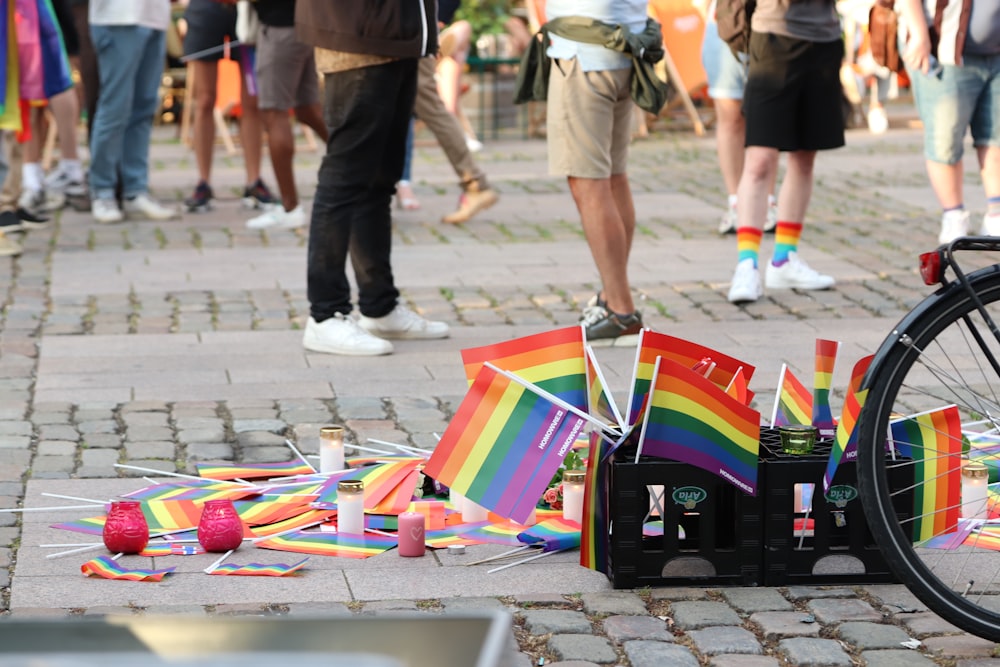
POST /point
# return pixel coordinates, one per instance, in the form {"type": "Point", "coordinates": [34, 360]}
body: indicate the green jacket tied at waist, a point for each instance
{"type": "Point", "coordinates": [645, 48]}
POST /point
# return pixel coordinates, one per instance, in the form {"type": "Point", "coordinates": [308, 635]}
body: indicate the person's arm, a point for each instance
{"type": "Point", "coordinates": [917, 46]}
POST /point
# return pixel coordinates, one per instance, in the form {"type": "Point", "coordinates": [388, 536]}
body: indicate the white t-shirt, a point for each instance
{"type": "Point", "coordinates": [153, 14]}
{"type": "Point", "coordinates": [630, 13]}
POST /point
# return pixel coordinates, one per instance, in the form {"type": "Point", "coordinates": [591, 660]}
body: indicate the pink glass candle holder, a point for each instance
{"type": "Point", "coordinates": [220, 527]}
{"type": "Point", "coordinates": [125, 528]}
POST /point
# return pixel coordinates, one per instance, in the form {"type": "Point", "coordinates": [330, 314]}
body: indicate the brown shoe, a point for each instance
{"type": "Point", "coordinates": [472, 201]}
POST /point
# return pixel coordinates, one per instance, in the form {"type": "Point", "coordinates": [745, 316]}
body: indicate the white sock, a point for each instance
{"type": "Point", "coordinates": [772, 200]}
{"type": "Point", "coordinates": [732, 201]}
{"type": "Point", "coordinates": [73, 169]}
{"type": "Point", "coordinates": [32, 176]}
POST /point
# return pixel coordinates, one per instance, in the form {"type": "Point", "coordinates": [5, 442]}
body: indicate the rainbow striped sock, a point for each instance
{"type": "Point", "coordinates": [786, 240]}
{"type": "Point", "coordinates": [748, 243]}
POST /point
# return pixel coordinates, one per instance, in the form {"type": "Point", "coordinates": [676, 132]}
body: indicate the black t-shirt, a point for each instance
{"type": "Point", "coordinates": [447, 9]}
{"type": "Point", "coordinates": [279, 13]}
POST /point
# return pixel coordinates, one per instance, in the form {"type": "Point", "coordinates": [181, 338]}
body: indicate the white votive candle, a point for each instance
{"type": "Point", "coordinates": [331, 448]}
{"type": "Point", "coordinates": [351, 507]}
{"type": "Point", "coordinates": [573, 482]}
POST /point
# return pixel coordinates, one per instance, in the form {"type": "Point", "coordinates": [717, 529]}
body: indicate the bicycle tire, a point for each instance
{"type": "Point", "coordinates": [922, 366]}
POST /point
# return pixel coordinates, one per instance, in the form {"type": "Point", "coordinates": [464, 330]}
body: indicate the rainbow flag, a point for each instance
{"type": "Point", "coordinates": [986, 538]}
{"type": "Point", "coordinates": [933, 440]}
{"type": "Point", "coordinates": [308, 518]}
{"type": "Point", "coordinates": [258, 570]}
{"type": "Point", "coordinates": [594, 537]}
{"type": "Point", "coordinates": [380, 480]}
{"type": "Point", "coordinates": [200, 490]}
{"type": "Point", "coordinates": [553, 361]}
{"type": "Point", "coordinates": [330, 544]}
{"type": "Point", "coordinates": [739, 388]}
{"type": "Point", "coordinates": [503, 445]}
{"type": "Point", "coordinates": [691, 420]}
{"type": "Point", "coordinates": [253, 470]}
{"type": "Point", "coordinates": [845, 443]}
{"type": "Point", "coordinates": [171, 515]}
{"type": "Point", "coordinates": [90, 526]}
{"type": "Point", "coordinates": [459, 534]}
{"type": "Point", "coordinates": [793, 404]}
{"type": "Point", "coordinates": [600, 403]}
{"type": "Point", "coordinates": [552, 534]}
{"type": "Point", "coordinates": [826, 358]}
{"type": "Point", "coordinates": [652, 345]}
{"type": "Point", "coordinates": [498, 533]}
{"type": "Point", "coordinates": [171, 549]}
{"type": "Point", "coordinates": [108, 568]}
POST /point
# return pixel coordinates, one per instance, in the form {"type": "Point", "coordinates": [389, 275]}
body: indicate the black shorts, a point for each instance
{"type": "Point", "coordinates": [64, 15]}
{"type": "Point", "coordinates": [792, 100]}
{"type": "Point", "coordinates": [209, 23]}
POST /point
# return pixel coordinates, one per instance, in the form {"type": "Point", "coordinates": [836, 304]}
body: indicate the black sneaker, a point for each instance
{"type": "Point", "coordinates": [31, 220]}
{"type": "Point", "coordinates": [257, 196]}
{"type": "Point", "coordinates": [9, 222]}
{"type": "Point", "coordinates": [201, 199]}
{"type": "Point", "coordinates": [605, 328]}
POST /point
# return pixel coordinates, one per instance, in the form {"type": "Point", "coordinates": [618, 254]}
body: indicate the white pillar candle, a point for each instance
{"type": "Point", "coordinates": [975, 477]}
{"type": "Point", "coordinates": [473, 512]}
{"type": "Point", "coordinates": [573, 483]}
{"type": "Point", "coordinates": [331, 449]}
{"type": "Point", "coordinates": [351, 507]}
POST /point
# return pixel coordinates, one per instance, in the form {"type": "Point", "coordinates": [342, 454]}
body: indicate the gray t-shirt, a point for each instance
{"type": "Point", "coordinates": [812, 20]}
{"type": "Point", "coordinates": [983, 38]}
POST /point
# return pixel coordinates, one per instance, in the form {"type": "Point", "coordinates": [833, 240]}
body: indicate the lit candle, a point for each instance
{"type": "Point", "coordinates": [975, 477]}
{"type": "Point", "coordinates": [351, 507]}
{"type": "Point", "coordinates": [331, 448]}
{"type": "Point", "coordinates": [411, 534]}
{"type": "Point", "coordinates": [572, 482]}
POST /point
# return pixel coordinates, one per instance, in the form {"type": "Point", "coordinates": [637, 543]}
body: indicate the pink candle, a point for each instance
{"type": "Point", "coordinates": [411, 534]}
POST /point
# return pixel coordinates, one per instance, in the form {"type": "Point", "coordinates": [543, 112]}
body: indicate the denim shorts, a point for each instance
{"type": "Point", "coordinates": [964, 97]}
{"type": "Point", "coordinates": [727, 76]}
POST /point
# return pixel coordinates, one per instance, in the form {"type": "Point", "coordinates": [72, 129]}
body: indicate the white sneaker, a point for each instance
{"type": "Point", "coordinates": [728, 223]}
{"type": "Point", "coordinates": [795, 274]}
{"type": "Point", "coordinates": [991, 225]}
{"type": "Point", "coordinates": [106, 211]}
{"type": "Point", "coordinates": [144, 207]}
{"type": "Point", "coordinates": [954, 224]}
{"type": "Point", "coordinates": [41, 201]}
{"type": "Point", "coordinates": [60, 180]}
{"type": "Point", "coordinates": [341, 334]}
{"type": "Point", "coordinates": [403, 323]}
{"type": "Point", "coordinates": [746, 283]}
{"type": "Point", "coordinates": [279, 218]}
{"type": "Point", "coordinates": [878, 122]}
{"type": "Point", "coordinates": [473, 144]}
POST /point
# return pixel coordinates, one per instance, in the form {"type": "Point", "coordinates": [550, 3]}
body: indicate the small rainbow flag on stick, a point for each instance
{"type": "Point", "coordinates": [933, 440]}
{"type": "Point", "coordinates": [594, 537]}
{"type": "Point", "coordinates": [691, 420]}
{"type": "Point", "coordinates": [793, 404]}
{"type": "Point", "coordinates": [845, 443]}
{"type": "Point", "coordinates": [258, 570]}
{"type": "Point", "coordinates": [826, 358]}
{"type": "Point", "coordinates": [553, 534]}
{"type": "Point", "coordinates": [107, 567]}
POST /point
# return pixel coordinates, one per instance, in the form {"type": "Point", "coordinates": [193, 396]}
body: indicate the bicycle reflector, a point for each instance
{"type": "Point", "coordinates": [930, 267]}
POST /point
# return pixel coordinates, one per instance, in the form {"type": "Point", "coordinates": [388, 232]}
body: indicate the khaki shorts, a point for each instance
{"type": "Point", "coordinates": [286, 70]}
{"type": "Point", "coordinates": [589, 121]}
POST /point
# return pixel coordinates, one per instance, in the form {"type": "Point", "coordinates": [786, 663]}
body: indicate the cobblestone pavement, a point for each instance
{"type": "Point", "coordinates": [159, 345]}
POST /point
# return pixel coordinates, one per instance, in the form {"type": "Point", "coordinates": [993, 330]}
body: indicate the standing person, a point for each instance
{"type": "Point", "coordinates": [589, 127]}
{"type": "Point", "coordinates": [129, 37]}
{"type": "Point", "coordinates": [286, 81]}
{"type": "Point", "coordinates": [952, 53]}
{"type": "Point", "coordinates": [368, 52]}
{"type": "Point", "coordinates": [792, 105]}
{"type": "Point", "coordinates": [209, 24]}
{"type": "Point", "coordinates": [727, 77]}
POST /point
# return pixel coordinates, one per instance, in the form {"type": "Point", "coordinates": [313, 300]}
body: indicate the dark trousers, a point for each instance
{"type": "Point", "coordinates": [368, 112]}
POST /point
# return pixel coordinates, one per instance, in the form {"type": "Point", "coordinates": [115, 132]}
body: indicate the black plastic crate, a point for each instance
{"type": "Point", "coordinates": [722, 533]}
{"type": "Point", "coordinates": [831, 543]}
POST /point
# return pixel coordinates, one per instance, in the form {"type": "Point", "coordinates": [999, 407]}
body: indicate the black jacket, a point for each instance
{"type": "Point", "coordinates": [394, 28]}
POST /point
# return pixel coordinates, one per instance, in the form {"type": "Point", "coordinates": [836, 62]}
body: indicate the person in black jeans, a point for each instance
{"type": "Point", "coordinates": [368, 52]}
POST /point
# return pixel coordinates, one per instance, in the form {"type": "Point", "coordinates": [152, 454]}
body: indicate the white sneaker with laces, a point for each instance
{"type": "Point", "coordinates": [954, 223]}
{"type": "Point", "coordinates": [61, 180]}
{"type": "Point", "coordinates": [991, 224]}
{"type": "Point", "coordinates": [746, 283]}
{"type": "Point", "coordinates": [728, 223]}
{"type": "Point", "coordinates": [106, 211]}
{"type": "Point", "coordinates": [878, 121]}
{"type": "Point", "coordinates": [795, 274]}
{"type": "Point", "coordinates": [278, 218]}
{"type": "Point", "coordinates": [403, 323]}
{"type": "Point", "coordinates": [145, 207]}
{"type": "Point", "coordinates": [341, 334]}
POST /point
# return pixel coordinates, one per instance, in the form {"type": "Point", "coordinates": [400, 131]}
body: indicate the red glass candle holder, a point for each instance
{"type": "Point", "coordinates": [220, 527]}
{"type": "Point", "coordinates": [125, 528]}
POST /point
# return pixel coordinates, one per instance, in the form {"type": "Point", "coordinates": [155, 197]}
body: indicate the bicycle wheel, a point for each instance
{"type": "Point", "coordinates": [933, 400]}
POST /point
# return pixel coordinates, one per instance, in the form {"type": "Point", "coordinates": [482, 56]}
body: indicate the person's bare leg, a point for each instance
{"type": "Point", "coordinates": [759, 167]}
{"type": "Point", "coordinates": [989, 169]}
{"type": "Point", "coordinates": [66, 109]}
{"type": "Point", "coordinates": [251, 133]}
{"type": "Point", "coordinates": [796, 189]}
{"type": "Point", "coordinates": [206, 76]}
{"type": "Point", "coordinates": [607, 235]}
{"type": "Point", "coordinates": [730, 133]}
{"type": "Point", "coordinates": [281, 145]}
{"type": "Point", "coordinates": [311, 115]}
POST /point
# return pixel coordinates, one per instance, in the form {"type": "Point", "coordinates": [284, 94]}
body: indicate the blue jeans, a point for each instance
{"type": "Point", "coordinates": [727, 76]}
{"type": "Point", "coordinates": [964, 97]}
{"type": "Point", "coordinates": [130, 60]}
{"type": "Point", "coordinates": [368, 111]}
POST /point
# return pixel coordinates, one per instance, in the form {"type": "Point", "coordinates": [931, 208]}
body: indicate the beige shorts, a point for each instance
{"type": "Point", "coordinates": [588, 120]}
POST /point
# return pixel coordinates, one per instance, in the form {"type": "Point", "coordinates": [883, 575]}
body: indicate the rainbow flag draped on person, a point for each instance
{"type": "Point", "coordinates": [845, 442]}
{"type": "Point", "coordinates": [933, 440]}
{"type": "Point", "coordinates": [692, 420]}
{"type": "Point", "coordinates": [793, 404]}
{"type": "Point", "coordinates": [826, 359]}
{"type": "Point", "coordinates": [505, 442]}
{"type": "Point", "coordinates": [719, 368]}
{"type": "Point", "coordinates": [553, 361]}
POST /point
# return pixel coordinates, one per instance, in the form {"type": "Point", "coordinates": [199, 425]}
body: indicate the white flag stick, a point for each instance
{"type": "Point", "coordinates": [86, 500]}
{"type": "Point", "coordinates": [525, 560]}
{"type": "Point", "coordinates": [292, 447]}
{"type": "Point", "coordinates": [506, 554]}
{"type": "Point", "coordinates": [398, 446]}
{"type": "Point", "coordinates": [777, 396]}
{"type": "Point", "coordinates": [70, 544]}
{"type": "Point", "coordinates": [233, 43]}
{"type": "Point", "coordinates": [76, 551]}
{"type": "Point", "coordinates": [211, 568]}
{"type": "Point", "coordinates": [49, 509]}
